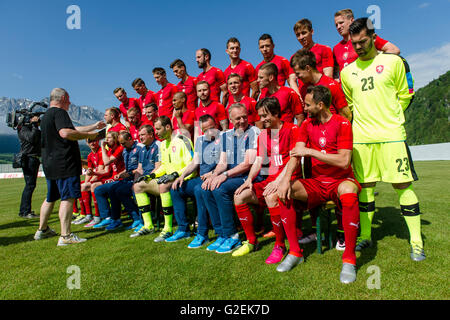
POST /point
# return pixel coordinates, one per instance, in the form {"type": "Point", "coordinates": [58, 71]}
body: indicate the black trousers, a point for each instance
{"type": "Point", "coordinates": [30, 171]}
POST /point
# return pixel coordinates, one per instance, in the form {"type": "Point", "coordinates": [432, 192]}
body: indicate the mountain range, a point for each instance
{"type": "Point", "coordinates": [80, 115]}
{"type": "Point", "coordinates": [9, 143]}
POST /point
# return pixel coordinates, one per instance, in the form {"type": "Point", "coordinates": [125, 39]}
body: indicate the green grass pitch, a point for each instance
{"type": "Point", "coordinates": [114, 266]}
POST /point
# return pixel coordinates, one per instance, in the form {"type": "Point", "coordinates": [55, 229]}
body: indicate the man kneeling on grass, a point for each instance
{"type": "Point", "coordinates": [331, 141]}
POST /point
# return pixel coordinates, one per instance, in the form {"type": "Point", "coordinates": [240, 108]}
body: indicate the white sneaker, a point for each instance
{"type": "Point", "coordinates": [340, 245]}
{"type": "Point", "coordinates": [42, 234]}
{"type": "Point", "coordinates": [308, 239]}
{"type": "Point", "coordinates": [348, 273]}
{"type": "Point", "coordinates": [72, 239]}
{"type": "Point", "coordinates": [85, 219]}
{"type": "Point", "coordinates": [77, 219]}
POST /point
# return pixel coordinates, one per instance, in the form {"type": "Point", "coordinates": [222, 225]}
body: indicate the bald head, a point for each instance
{"type": "Point", "coordinates": [180, 95]}
{"type": "Point", "coordinates": [179, 100]}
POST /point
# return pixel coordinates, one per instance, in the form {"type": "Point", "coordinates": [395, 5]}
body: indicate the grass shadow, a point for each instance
{"type": "Point", "coordinates": [6, 241]}
{"type": "Point", "coordinates": [23, 223]}
{"type": "Point", "coordinates": [388, 221]}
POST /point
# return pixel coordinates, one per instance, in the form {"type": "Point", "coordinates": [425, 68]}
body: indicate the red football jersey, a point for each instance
{"type": "Point", "coordinates": [95, 159]}
{"type": "Point", "coordinates": [187, 118]}
{"type": "Point", "coordinates": [119, 164]}
{"type": "Point", "coordinates": [324, 56]}
{"type": "Point", "coordinates": [134, 131]}
{"type": "Point", "coordinates": [338, 100]}
{"type": "Point", "coordinates": [250, 104]}
{"type": "Point", "coordinates": [246, 71]}
{"type": "Point", "coordinates": [215, 78]}
{"type": "Point", "coordinates": [164, 99]}
{"type": "Point", "coordinates": [149, 97]}
{"type": "Point", "coordinates": [147, 121]}
{"type": "Point", "coordinates": [328, 138]}
{"type": "Point", "coordinates": [144, 100]}
{"type": "Point", "coordinates": [132, 102]}
{"type": "Point", "coordinates": [345, 54]}
{"type": "Point", "coordinates": [215, 109]}
{"type": "Point", "coordinates": [284, 68]}
{"type": "Point", "coordinates": [118, 127]}
{"type": "Point", "coordinates": [274, 147]}
{"type": "Point", "coordinates": [188, 87]}
{"type": "Point", "coordinates": [290, 103]}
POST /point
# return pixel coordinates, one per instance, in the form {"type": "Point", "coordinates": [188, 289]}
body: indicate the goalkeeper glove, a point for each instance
{"type": "Point", "coordinates": [146, 178]}
{"type": "Point", "coordinates": [168, 178]}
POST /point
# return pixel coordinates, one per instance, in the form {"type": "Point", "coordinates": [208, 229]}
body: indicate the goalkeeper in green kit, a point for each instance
{"type": "Point", "coordinates": [379, 88]}
{"type": "Point", "coordinates": [176, 153]}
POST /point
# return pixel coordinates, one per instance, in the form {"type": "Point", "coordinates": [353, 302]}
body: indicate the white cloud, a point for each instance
{"type": "Point", "coordinates": [429, 65]}
{"type": "Point", "coordinates": [424, 5]}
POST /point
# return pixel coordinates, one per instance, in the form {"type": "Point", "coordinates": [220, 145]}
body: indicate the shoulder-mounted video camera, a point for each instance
{"type": "Point", "coordinates": [23, 117]}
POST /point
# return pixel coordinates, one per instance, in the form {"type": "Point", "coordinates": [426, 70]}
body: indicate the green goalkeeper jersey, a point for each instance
{"type": "Point", "coordinates": [175, 156]}
{"type": "Point", "coordinates": [378, 91]}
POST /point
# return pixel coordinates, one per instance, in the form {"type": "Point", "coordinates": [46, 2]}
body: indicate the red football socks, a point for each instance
{"type": "Point", "coordinates": [277, 224]}
{"type": "Point", "coordinates": [289, 217]}
{"type": "Point", "coordinates": [86, 201]}
{"type": "Point", "coordinates": [97, 212]}
{"type": "Point", "coordinates": [350, 221]}
{"type": "Point", "coordinates": [75, 207]}
{"type": "Point", "coordinates": [246, 218]}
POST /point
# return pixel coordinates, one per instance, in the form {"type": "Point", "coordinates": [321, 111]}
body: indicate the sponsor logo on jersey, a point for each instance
{"type": "Point", "coordinates": [322, 142]}
{"type": "Point", "coordinates": [380, 68]}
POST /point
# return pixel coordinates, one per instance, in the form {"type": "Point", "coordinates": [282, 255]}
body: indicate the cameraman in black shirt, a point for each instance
{"type": "Point", "coordinates": [61, 162]}
{"type": "Point", "coordinates": [30, 147]}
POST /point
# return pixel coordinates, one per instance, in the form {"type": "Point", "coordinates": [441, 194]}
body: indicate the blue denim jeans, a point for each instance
{"type": "Point", "coordinates": [118, 192]}
{"type": "Point", "coordinates": [102, 195]}
{"type": "Point", "coordinates": [190, 188]}
{"type": "Point", "coordinates": [122, 192]}
{"type": "Point", "coordinates": [220, 204]}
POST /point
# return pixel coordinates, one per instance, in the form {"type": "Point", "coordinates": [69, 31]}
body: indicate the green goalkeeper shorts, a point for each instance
{"type": "Point", "coordinates": [388, 162]}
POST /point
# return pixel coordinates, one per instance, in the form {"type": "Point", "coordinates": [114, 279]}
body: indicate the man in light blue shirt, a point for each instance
{"type": "Point", "coordinates": [238, 152]}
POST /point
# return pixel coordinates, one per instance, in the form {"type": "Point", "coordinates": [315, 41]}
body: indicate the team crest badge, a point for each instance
{"type": "Point", "coordinates": [322, 142]}
{"type": "Point", "coordinates": [174, 149]}
{"type": "Point", "coordinates": [380, 68]}
{"type": "Point", "coordinates": [345, 56]}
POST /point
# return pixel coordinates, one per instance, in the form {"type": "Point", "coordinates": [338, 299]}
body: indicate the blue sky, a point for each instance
{"type": "Point", "coordinates": [121, 40]}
